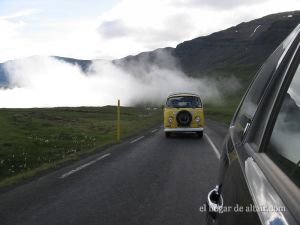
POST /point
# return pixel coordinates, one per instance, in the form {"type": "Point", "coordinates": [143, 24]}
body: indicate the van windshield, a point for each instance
{"type": "Point", "coordinates": [184, 102]}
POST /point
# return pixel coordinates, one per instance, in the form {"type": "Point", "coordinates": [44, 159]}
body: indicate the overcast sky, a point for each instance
{"type": "Point", "coordinates": [109, 29]}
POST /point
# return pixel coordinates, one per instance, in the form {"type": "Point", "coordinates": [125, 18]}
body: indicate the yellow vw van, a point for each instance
{"type": "Point", "coordinates": [183, 112]}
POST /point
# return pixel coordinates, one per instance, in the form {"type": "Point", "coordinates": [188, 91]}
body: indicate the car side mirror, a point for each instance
{"type": "Point", "coordinates": [214, 204]}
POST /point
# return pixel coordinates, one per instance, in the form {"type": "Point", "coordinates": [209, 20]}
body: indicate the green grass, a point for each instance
{"type": "Point", "coordinates": [33, 140]}
{"type": "Point", "coordinates": [224, 111]}
{"type": "Point", "coordinates": [243, 73]}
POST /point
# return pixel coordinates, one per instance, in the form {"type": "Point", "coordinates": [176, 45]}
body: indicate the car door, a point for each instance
{"type": "Point", "coordinates": [243, 183]}
{"type": "Point", "coordinates": [273, 170]}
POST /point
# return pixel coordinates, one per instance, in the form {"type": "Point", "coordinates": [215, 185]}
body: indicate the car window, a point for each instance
{"type": "Point", "coordinates": [284, 145]}
{"type": "Point", "coordinates": [259, 85]}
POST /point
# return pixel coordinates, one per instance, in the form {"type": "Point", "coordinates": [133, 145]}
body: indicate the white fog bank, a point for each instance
{"type": "Point", "coordinates": [49, 82]}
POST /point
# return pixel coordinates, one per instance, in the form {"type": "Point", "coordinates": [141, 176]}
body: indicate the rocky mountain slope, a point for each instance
{"type": "Point", "coordinates": [245, 44]}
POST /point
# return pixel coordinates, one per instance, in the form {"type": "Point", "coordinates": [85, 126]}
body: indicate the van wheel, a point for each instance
{"type": "Point", "coordinates": [167, 134]}
{"type": "Point", "coordinates": [200, 134]}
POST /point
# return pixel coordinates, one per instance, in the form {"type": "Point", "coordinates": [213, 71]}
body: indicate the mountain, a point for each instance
{"type": "Point", "coordinates": [247, 44]}
{"type": "Point", "coordinates": [83, 64]}
{"type": "Point", "coordinates": [239, 50]}
{"type": "Point", "coordinates": [3, 79]}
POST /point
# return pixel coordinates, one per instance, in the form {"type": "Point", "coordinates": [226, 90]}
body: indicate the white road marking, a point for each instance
{"type": "Point", "coordinates": [83, 166]}
{"type": "Point", "coordinates": [213, 146]}
{"type": "Point", "coordinates": [135, 140]}
{"type": "Point", "coordinates": [153, 131]}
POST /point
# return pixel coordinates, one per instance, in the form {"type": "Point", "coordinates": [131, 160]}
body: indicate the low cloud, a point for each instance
{"type": "Point", "coordinates": [113, 29]}
{"type": "Point", "coordinates": [48, 82]}
{"type": "Point", "coordinates": [118, 29]}
{"type": "Point", "coordinates": [216, 4]}
{"type": "Point", "coordinates": [25, 12]}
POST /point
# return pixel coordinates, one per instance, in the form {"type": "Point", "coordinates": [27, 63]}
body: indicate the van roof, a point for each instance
{"type": "Point", "coordinates": [185, 93]}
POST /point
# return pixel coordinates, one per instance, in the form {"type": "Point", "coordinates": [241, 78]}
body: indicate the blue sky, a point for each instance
{"type": "Point", "coordinates": [90, 29]}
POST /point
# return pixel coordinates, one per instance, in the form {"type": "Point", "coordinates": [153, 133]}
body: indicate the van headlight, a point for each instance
{"type": "Point", "coordinates": [170, 119]}
{"type": "Point", "coordinates": [197, 119]}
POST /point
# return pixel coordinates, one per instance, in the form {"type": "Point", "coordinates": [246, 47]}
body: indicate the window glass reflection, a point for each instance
{"type": "Point", "coordinates": [284, 146]}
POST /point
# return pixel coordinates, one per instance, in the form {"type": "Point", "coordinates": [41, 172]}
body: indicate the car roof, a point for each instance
{"type": "Point", "coordinates": [186, 93]}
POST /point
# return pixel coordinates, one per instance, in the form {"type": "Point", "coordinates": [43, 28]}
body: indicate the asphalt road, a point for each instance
{"type": "Point", "coordinates": [148, 180]}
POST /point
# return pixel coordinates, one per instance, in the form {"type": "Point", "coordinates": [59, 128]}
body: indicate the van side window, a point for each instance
{"type": "Point", "coordinates": [284, 145]}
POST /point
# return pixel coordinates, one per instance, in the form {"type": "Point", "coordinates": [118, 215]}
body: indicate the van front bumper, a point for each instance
{"type": "Point", "coordinates": [184, 129]}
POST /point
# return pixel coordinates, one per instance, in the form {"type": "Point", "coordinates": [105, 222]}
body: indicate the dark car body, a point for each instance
{"type": "Point", "coordinates": [259, 176]}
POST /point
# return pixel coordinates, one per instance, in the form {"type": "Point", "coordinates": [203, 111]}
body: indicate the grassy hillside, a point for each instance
{"type": "Point", "coordinates": [223, 111]}
{"type": "Point", "coordinates": [32, 140]}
